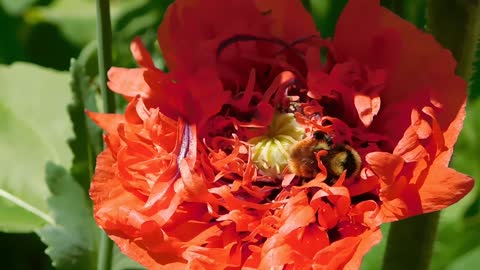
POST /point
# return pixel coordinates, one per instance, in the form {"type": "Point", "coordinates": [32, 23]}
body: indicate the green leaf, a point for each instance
{"type": "Point", "coordinates": [71, 240]}
{"type": "Point", "coordinates": [33, 129]}
{"type": "Point", "coordinates": [410, 10]}
{"type": "Point", "coordinates": [469, 260]}
{"type": "Point", "coordinates": [16, 7]}
{"type": "Point", "coordinates": [87, 141]}
{"type": "Point", "coordinates": [76, 18]}
{"type": "Point", "coordinates": [455, 239]}
{"type": "Point", "coordinates": [12, 48]}
{"type": "Point", "coordinates": [325, 14]}
{"type": "Point", "coordinates": [474, 87]}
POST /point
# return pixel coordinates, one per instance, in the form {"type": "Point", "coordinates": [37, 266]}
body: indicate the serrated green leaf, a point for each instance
{"type": "Point", "coordinates": [33, 129]}
{"type": "Point", "coordinates": [71, 240]}
{"type": "Point", "coordinates": [87, 141]}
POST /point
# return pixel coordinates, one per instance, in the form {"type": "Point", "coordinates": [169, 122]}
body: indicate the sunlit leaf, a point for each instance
{"type": "Point", "coordinates": [467, 261]}
{"type": "Point", "coordinates": [71, 240]}
{"type": "Point", "coordinates": [34, 128]}
{"type": "Point", "coordinates": [454, 240]}
{"type": "Point", "coordinates": [77, 18]}
{"type": "Point", "coordinates": [16, 7]}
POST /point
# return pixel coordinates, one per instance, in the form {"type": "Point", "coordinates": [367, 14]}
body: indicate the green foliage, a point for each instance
{"type": "Point", "coordinates": [325, 14]}
{"type": "Point", "coordinates": [76, 18]}
{"type": "Point", "coordinates": [71, 239]}
{"type": "Point", "coordinates": [16, 7]}
{"type": "Point", "coordinates": [475, 80]}
{"type": "Point", "coordinates": [411, 10]}
{"type": "Point", "coordinates": [87, 142]}
{"type": "Point", "coordinates": [10, 45]}
{"type": "Point", "coordinates": [14, 254]}
{"type": "Point", "coordinates": [467, 261]}
{"type": "Point", "coordinates": [466, 160]}
{"type": "Point", "coordinates": [33, 127]}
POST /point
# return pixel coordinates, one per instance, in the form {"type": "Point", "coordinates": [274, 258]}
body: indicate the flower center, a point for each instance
{"type": "Point", "coordinates": [271, 152]}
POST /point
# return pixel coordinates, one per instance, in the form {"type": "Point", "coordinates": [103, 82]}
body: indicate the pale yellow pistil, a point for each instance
{"type": "Point", "coordinates": [271, 151]}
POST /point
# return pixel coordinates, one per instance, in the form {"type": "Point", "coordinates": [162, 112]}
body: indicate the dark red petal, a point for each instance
{"type": "Point", "coordinates": [290, 20]}
{"type": "Point", "coordinates": [191, 31]}
{"type": "Point", "coordinates": [420, 72]}
{"type": "Point", "coordinates": [192, 97]}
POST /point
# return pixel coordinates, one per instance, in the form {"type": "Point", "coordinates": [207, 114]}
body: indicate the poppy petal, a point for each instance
{"type": "Point", "coordinates": [384, 40]}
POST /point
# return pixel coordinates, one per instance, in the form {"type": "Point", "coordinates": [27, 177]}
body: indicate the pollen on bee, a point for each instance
{"type": "Point", "coordinates": [339, 158]}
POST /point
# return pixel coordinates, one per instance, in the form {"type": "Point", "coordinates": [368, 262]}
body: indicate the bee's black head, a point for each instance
{"type": "Point", "coordinates": [322, 136]}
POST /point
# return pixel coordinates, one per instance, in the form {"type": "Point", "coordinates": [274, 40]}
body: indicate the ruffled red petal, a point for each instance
{"type": "Point", "coordinates": [415, 188]}
{"type": "Point", "coordinates": [186, 96]}
{"type": "Point", "coordinates": [420, 72]}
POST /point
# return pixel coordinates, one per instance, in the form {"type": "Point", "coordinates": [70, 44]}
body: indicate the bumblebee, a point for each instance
{"type": "Point", "coordinates": [339, 157]}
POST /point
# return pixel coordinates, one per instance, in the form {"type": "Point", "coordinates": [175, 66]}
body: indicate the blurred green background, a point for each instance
{"type": "Point", "coordinates": [49, 33]}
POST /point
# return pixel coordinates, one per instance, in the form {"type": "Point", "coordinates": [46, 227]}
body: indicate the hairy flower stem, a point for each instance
{"type": "Point", "coordinates": [104, 39]}
{"type": "Point", "coordinates": [455, 24]}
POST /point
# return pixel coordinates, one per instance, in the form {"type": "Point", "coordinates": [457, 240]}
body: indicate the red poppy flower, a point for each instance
{"type": "Point", "coordinates": [256, 151]}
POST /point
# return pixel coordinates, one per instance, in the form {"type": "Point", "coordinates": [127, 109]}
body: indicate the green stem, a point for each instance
{"type": "Point", "coordinates": [410, 243]}
{"type": "Point", "coordinates": [106, 252]}
{"type": "Point", "coordinates": [308, 5]}
{"type": "Point", "coordinates": [104, 39]}
{"type": "Point", "coordinates": [455, 24]}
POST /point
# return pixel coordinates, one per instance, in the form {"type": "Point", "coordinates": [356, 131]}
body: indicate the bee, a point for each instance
{"type": "Point", "coordinates": [339, 157]}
